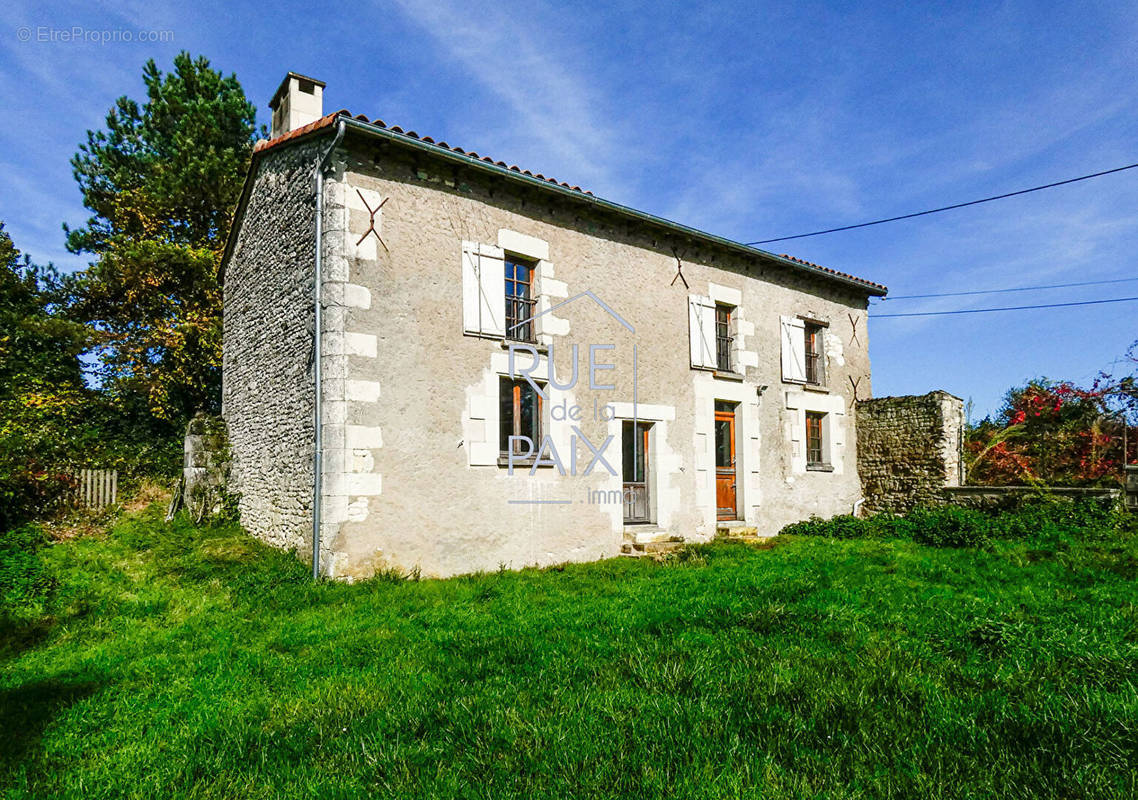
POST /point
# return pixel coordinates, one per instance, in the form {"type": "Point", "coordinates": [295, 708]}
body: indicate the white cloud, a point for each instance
{"type": "Point", "coordinates": [515, 58]}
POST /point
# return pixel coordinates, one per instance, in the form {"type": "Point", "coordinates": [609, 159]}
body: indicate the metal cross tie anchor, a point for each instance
{"type": "Point", "coordinates": [853, 325]}
{"type": "Point", "coordinates": [679, 270]}
{"type": "Point", "coordinates": [371, 222]}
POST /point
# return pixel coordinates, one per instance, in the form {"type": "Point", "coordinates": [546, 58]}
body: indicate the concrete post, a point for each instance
{"type": "Point", "coordinates": [1131, 471]}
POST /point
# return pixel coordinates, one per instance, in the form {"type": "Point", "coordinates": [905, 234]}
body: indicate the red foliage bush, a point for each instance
{"type": "Point", "coordinates": [1054, 432]}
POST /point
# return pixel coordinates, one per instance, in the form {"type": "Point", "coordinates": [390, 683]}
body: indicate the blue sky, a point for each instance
{"type": "Point", "coordinates": [749, 120]}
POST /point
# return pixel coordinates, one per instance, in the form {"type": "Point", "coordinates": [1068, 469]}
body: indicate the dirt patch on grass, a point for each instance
{"type": "Point", "coordinates": [76, 524]}
{"type": "Point", "coordinates": [148, 492]}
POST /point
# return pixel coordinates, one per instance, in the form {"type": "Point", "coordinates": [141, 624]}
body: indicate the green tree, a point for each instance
{"type": "Point", "coordinates": [43, 397]}
{"type": "Point", "coordinates": [162, 182]}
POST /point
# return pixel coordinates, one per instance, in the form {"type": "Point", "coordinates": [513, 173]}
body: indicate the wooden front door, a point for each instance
{"type": "Point", "coordinates": [725, 481]}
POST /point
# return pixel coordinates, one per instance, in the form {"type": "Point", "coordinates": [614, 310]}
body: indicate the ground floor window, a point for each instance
{"type": "Point", "coordinates": [519, 414]}
{"type": "Point", "coordinates": [815, 452]}
{"type": "Point", "coordinates": [634, 446]}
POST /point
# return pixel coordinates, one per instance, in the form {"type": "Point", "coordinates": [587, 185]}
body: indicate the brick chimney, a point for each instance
{"type": "Point", "coordinates": [298, 101]}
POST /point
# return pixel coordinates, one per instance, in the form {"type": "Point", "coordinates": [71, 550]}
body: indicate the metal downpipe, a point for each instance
{"type": "Point", "coordinates": [317, 343]}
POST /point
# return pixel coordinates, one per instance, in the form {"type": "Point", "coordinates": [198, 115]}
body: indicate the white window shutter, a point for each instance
{"type": "Point", "coordinates": [701, 331]}
{"type": "Point", "coordinates": [493, 291]}
{"type": "Point", "coordinates": [793, 349]}
{"type": "Point", "coordinates": [470, 319]}
{"type": "Point", "coordinates": [483, 290]}
{"type": "Point", "coordinates": [707, 318]}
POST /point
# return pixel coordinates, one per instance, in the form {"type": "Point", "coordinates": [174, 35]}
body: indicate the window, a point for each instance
{"type": "Point", "coordinates": [814, 449]}
{"type": "Point", "coordinates": [723, 338]}
{"type": "Point", "coordinates": [519, 299]}
{"type": "Point", "coordinates": [815, 364]}
{"type": "Point", "coordinates": [519, 414]}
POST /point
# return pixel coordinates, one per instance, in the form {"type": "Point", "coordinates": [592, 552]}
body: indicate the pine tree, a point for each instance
{"type": "Point", "coordinates": [162, 181]}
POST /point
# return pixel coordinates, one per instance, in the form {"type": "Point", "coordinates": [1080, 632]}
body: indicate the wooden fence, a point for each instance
{"type": "Point", "coordinates": [94, 488]}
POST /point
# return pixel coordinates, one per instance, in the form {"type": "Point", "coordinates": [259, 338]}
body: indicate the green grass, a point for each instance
{"type": "Point", "coordinates": [170, 660]}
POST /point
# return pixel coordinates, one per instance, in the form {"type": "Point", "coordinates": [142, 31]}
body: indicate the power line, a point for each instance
{"type": "Point", "coordinates": [1000, 291]}
{"type": "Point", "coordinates": [947, 208]}
{"type": "Point", "coordinates": [1005, 308]}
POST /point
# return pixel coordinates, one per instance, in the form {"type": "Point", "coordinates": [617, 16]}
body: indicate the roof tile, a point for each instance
{"type": "Point", "coordinates": [831, 271]}
{"type": "Point", "coordinates": [329, 119]}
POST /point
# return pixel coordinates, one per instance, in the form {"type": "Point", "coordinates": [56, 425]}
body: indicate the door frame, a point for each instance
{"type": "Point", "coordinates": [645, 428]}
{"type": "Point", "coordinates": [728, 416]}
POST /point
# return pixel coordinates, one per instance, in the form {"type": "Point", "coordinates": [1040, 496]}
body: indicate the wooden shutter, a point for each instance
{"type": "Point", "coordinates": [483, 290]}
{"type": "Point", "coordinates": [701, 332]}
{"type": "Point", "coordinates": [793, 350]}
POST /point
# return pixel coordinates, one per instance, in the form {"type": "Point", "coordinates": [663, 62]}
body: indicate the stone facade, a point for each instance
{"type": "Point", "coordinates": [267, 385]}
{"type": "Point", "coordinates": [205, 466]}
{"type": "Point", "coordinates": [909, 449]}
{"type": "Point", "coordinates": [413, 369]}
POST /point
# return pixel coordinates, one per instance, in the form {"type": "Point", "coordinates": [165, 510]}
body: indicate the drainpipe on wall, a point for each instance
{"type": "Point", "coordinates": [318, 303]}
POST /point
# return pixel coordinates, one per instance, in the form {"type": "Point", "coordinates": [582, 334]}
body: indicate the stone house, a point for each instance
{"type": "Point", "coordinates": [507, 370]}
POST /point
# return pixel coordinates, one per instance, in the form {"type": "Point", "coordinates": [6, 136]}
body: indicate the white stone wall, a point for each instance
{"type": "Point", "coordinates": [411, 392]}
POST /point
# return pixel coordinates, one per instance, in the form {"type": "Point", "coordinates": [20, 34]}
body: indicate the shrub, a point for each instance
{"type": "Point", "coordinates": [1050, 518]}
{"type": "Point", "coordinates": [949, 526]}
{"type": "Point", "coordinates": [24, 579]}
{"type": "Point", "coordinates": [940, 527]}
{"type": "Point", "coordinates": [840, 527]}
{"type": "Point", "coordinates": [1046, 519]}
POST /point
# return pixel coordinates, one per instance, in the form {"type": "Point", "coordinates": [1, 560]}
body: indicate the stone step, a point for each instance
{"type": "Point", "coordinates": [735, 530]}
{"type": "Point", "coordinates": [742, 532]}
{"type": "Point", "coordinates": [652, 549]}
{"type": "Point", "coordinates": [757, 541]}
{"type": "Point", "coordinates": [674, 543]}
{"type": "Point", "coordinates": [644, 534]}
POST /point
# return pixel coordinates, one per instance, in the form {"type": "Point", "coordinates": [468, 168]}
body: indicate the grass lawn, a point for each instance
{"type": "Point", "coordinates": [181, 661]}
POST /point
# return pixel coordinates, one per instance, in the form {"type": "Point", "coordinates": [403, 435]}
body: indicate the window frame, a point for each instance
{"type": "Point", "coordinates": [815, 429]}
{"type": "Point", "coordinates": [637, 487]}
{"type": "Point", "coordinates": [814, 358]}
{"type": "Point", "coordinates": [516, 385]}
{"type": "Point", "coordinates": [523, 296]}
{"type": "Point", "coordinates": [724, 341]}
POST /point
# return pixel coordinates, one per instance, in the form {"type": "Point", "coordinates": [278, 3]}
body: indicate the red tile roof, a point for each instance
{"type": "Point", "coordinates": [833, 271]}
{"type": "Point", "coordinates": [296, 133]}
{"type": "Point", "coordinates": [329, 119]}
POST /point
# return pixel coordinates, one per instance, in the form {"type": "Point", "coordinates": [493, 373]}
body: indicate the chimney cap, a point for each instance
{"type": "Point", "coordinates": [283, 88]}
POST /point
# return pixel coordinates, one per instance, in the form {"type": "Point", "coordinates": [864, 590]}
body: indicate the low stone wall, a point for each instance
{"type": "Point", "coordinates": [998, 498]}
{"type": "Point", "coordinates": [909, 449]}
{"type": "Point", "coordinates": [910, 453]}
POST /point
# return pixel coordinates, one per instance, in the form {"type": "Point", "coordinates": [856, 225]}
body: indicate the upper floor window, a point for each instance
{"type": "Point", "coordinates": [712, 328]}
{"type": "Point", "coordinates": [803, 354]}
{"type": "Point", "coordinates": [815, 363]}
{"type": "Point", "coordinates": [723, 338]}
{"type": "Point", "coordinates": [520, 299]}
